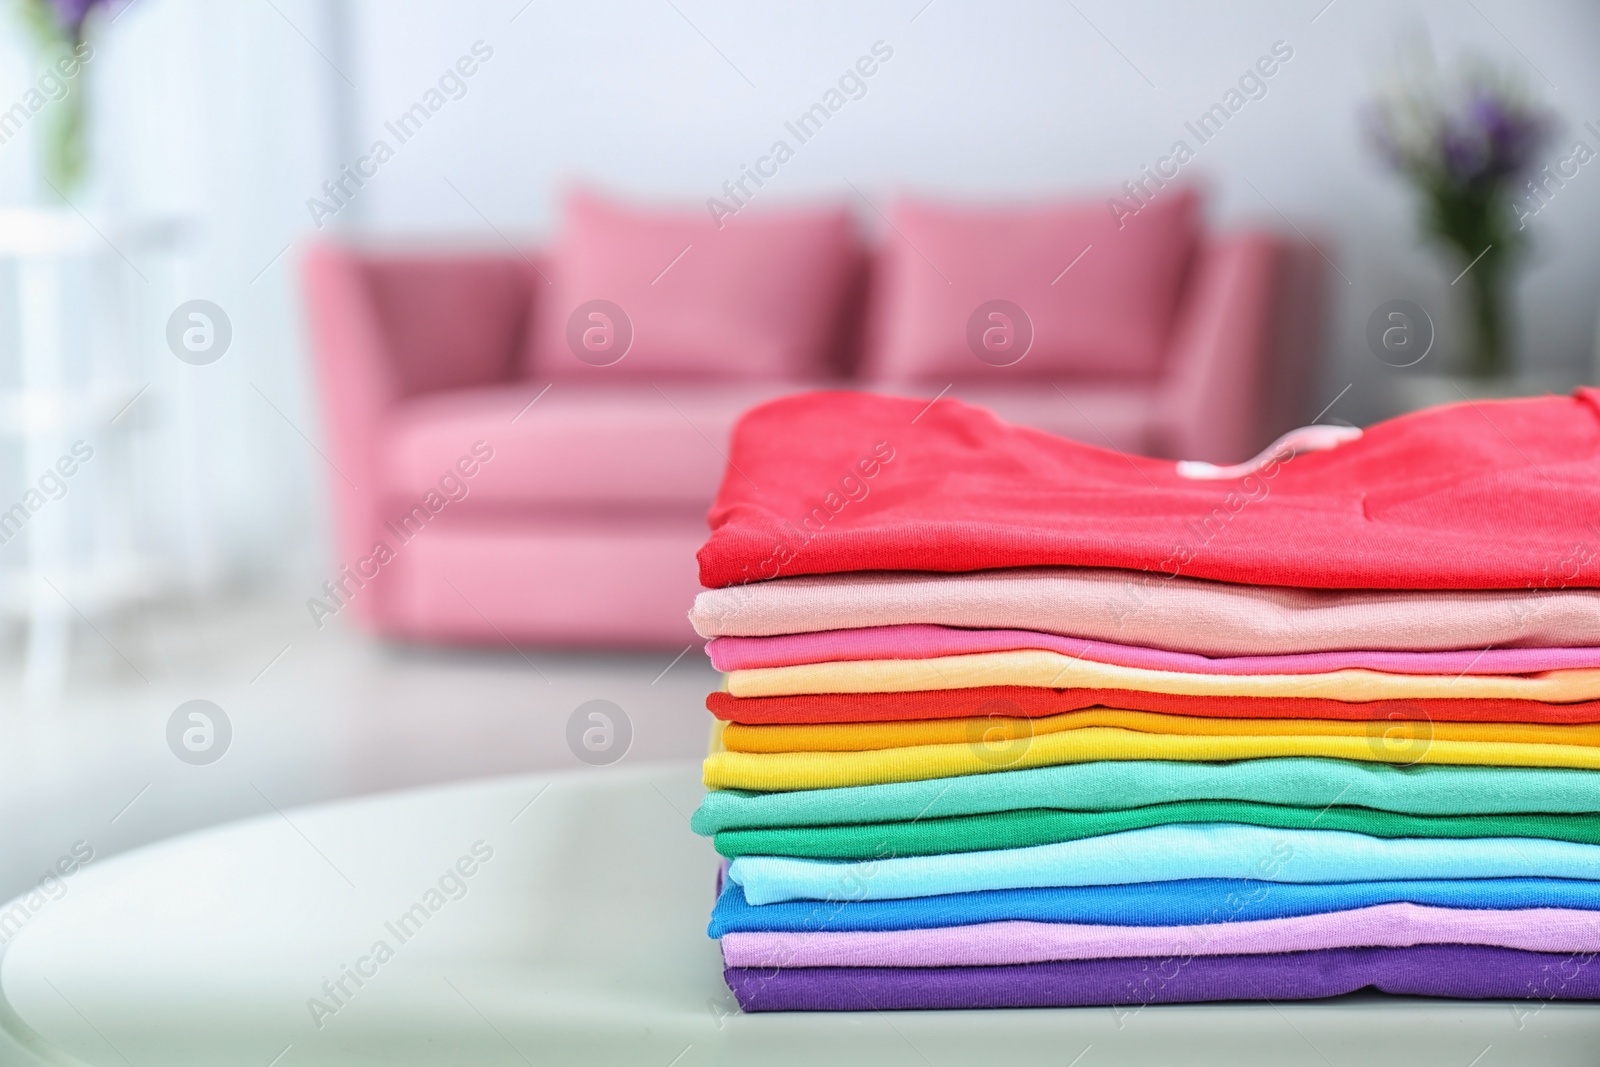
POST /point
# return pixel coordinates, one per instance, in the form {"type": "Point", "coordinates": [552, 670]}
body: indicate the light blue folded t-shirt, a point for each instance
{"type": "Point", "coordinates": [1168, 853]}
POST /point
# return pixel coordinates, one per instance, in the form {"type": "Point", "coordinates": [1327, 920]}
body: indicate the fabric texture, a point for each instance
{"type": "Point", "coordinates": [1201, 900]}
{"type": "Point", "coordinates": [1113, 320]}
{"type": "Point", "coordinates": [926, 642]}
{"type": "Point", "coordinates": [999, 732]}
{"type": "Point", "coordinates": [1115, 786]}
{"type": "Point", "coordinates": [1049, 669]}
{"type": "Point", "coordinates": [773, 771]}
{"type": "Point", "coordinates": [1168, 853]}
{"type": "Point", "coordinates": [996, 944]}
{"type": "Point", "coordinates": [1043, 826]}
{"type": "Point", "coordinates": [1480, 495]}
{"type": "Point", "coordinates": [1460, 971]}
{"type": "Point", "coordinates": [1033, 702]}
{"type": "Point", "coordinates": [1156, 610]}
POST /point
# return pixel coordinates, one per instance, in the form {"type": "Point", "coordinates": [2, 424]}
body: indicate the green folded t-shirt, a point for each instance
{"type": "Point", "coordinates": [1042, 826]}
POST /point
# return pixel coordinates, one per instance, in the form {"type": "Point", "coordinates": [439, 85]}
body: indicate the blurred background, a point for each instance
{"type": "Point", "coordinates": [241, 336]}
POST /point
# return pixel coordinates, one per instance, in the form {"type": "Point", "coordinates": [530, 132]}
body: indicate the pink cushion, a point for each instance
{"type": "Point", "coordinates": [1108, 315]}
{"type": "Point", "coordinates": [451, 321]}
{"type": "Point", "coordinates": [758, 299]}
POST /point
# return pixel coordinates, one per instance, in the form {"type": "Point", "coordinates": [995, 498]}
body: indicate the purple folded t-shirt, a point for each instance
{"type": "Point", "coordinates": [1469, 972]}
{"type": "Point", "coordinates": [925, 642]}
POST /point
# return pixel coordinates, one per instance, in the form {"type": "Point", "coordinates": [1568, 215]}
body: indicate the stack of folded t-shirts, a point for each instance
{"type": "Point", "coordinates": [1013, 721]}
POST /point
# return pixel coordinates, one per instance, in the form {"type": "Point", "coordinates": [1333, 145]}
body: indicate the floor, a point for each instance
{"type": "Point", "coordinates": [314, 715]}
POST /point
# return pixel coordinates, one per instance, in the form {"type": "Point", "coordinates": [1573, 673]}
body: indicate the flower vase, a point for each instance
{"type": "Point", "coordinates": [1488, 324]}
{"type": "Point", "coordinates": [63, 122]}
{"type": "Point", "coordinates": [64, 147]}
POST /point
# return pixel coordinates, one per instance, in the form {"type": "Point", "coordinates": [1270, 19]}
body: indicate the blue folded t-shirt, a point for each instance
{"type": "Point", "coordinates": [1180, 903]}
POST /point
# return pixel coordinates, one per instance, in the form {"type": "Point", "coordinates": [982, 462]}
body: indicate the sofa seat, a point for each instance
{"type": "Point", "coordinates": [569, 583]}
{"type": "Point", "coordinates": [627, 446]}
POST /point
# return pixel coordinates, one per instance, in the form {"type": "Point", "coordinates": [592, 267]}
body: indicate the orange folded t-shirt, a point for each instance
{"type": "Point", "coordinates": [999, 730]}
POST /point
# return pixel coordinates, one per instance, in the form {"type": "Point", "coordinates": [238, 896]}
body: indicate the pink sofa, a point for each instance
{"type": "Point", "coordinates": [476, 502]}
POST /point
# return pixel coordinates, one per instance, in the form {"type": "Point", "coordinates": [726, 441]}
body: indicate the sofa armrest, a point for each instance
{"type": "Point", "coordinates": [1229, 360]}
{"type": "Point", "coordinates": [357, 383]}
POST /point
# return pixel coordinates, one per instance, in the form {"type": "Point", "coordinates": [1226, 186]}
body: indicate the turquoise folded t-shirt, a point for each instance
{"type": "Point", "coordinates": [1168, 853]}
{"type": "Point", "coordinates": [1117, 785]}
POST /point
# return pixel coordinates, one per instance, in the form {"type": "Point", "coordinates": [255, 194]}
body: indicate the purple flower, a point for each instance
{"type": "Point", "coordinates": [1462, 152]}
{"type": "Point", "coordinates": [1476, 133]}
{"type": "Point", "coordinates": [72, 13]}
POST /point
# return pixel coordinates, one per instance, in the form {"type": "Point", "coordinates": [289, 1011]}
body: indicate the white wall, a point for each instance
{"type": "Point", "coordinates": [980, 100]}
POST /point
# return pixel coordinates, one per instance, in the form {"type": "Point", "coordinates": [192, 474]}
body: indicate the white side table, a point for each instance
{"type": "Point", "coordinates": [55, 568]}
{"type": "Point", "coordinates": [581, 940]}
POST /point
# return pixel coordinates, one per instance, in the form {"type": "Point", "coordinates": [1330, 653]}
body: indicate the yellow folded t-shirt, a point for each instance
{"type": "Point", "coordinates": [829, 770]}
{"type": "Point", "coordinates": [1052, 670]}
{"type": "Point", "coordinates": [1004, 730]}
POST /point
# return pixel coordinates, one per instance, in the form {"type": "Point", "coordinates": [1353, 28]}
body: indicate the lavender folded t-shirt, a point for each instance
{"type": "Point", "coordinates": [996, 943]}
{"type": "Point", "coordinates": [926, 642]}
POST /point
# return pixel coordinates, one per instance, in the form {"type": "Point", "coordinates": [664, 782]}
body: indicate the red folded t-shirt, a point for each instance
{"type": "Point", "coordinates": [1024, 702]}
{"type": "Point", "coordinates": [1480, 495]}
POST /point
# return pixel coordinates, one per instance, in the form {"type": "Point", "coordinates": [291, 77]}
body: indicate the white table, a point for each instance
{"type": "Point", "coordinates": [581, 940]}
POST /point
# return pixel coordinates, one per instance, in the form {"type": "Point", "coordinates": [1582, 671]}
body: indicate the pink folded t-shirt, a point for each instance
{"type": "Point", "coordinates": [1181, 614]}
{"type": "Point", "coordinates": [926, 642]}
